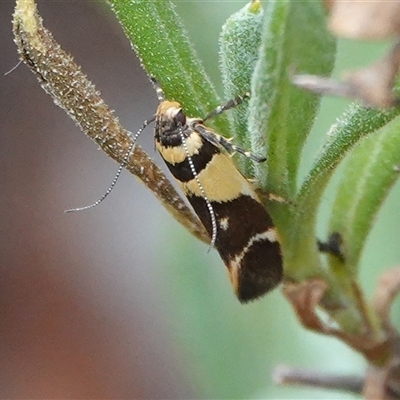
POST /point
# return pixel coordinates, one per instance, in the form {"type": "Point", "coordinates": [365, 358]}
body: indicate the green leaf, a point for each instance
{"type": "Point", "coordinates": [162, 45]}
{"type": "Point", "coordinates": [239, 42]}
{"type": "Point", "coordinates": [370, 172]}
{"type": "Point", "coordinates": [281, 115]}
{"type": "Point", "coordinates": [301, 255]}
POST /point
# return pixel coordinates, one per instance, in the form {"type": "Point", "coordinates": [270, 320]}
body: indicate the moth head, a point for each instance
{"type": "Point", "coordinates": [170, 117]}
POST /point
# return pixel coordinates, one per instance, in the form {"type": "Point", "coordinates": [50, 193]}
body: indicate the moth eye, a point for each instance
{"type": "Point", "coordinates": [180, 118]}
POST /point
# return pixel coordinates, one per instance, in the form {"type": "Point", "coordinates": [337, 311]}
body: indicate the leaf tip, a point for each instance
{"type": "Point", "coordinates": [255, 6]}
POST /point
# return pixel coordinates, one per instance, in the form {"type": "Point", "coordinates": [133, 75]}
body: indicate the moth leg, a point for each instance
{"type": "Point", "coordinates": [220, 141]}
{"type": "Point", "coordinates": [227, 106]}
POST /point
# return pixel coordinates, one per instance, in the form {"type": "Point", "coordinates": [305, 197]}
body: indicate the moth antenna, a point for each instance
{"type": "Point", "coordinates": [203, 193]}
{"type": "Point", "coordinates": [108, 191]}
{"type": "Point", "coordinates": [227, 106]}
{"type": "Point", "coordinates": [13, 68]}
{"type": "Point", "coordinates": [157, 87]}
{"type": "Point", "coordinates": [120, 168]}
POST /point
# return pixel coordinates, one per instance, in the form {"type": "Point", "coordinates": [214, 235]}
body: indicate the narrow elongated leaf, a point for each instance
{"type": "Point", "coordinates": [356, 123]}
{"type": "Point", "coordinates": [370, 172]}
{"type": "Point", "coordinates": [160, 41]}
{"type": "Point", "coordinates": [240, 42]}
{"type": "Point", "coordinates": [280, 114]}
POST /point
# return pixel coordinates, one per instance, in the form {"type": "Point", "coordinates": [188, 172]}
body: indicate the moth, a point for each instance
{"type": "Point", "coordinates": [224, 200]}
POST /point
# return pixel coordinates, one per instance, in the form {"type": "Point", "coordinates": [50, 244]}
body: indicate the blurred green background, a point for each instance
{"type": "Point", "coordinates": [121, 302]}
